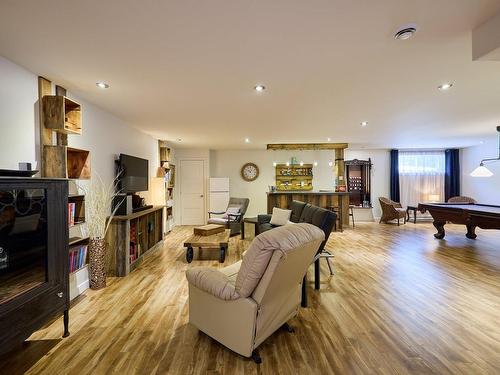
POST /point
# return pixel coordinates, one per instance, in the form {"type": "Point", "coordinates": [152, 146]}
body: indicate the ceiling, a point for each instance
{"type": "Point", "coordinates": [186, 69]}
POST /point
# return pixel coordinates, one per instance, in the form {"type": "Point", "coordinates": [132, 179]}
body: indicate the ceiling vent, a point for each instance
{"type": "Point", "coordinates": [405, 32]}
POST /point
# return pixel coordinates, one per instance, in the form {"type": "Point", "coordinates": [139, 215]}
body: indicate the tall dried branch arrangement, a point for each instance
{"type": "Point", "coordinates": [98, 204]}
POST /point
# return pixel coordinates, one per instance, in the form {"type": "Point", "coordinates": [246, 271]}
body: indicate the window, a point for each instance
{"type": "Point", "coordinates": [423, 162]}
{"type": "Point", "coordinates": [421, 176]}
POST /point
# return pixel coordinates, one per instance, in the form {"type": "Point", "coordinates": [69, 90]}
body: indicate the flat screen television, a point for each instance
{"type": "Point", "coordinates": [134, 174]}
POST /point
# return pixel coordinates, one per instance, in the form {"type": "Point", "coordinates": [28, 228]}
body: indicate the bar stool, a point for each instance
{"type": "Point", "coordinates": [351, 214]}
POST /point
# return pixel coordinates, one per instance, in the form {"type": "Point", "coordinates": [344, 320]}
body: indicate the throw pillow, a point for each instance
{"type": "Point", "coordinates": [280, 216]}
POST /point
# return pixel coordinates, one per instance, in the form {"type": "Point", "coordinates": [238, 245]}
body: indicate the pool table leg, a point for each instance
{"type": "Point", "coordinates": [439, 225]}
{"type": "Point", "coordinates": [471, 232]}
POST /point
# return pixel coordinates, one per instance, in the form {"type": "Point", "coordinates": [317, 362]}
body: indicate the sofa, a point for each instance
{"type": "Point", "coordinates": [240, 306]}
{"type": "Point", "coordinates": [305, 213]}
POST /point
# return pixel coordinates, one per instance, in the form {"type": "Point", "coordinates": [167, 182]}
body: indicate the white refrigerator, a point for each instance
{"type": "Point", "coordinates": [218, 194]}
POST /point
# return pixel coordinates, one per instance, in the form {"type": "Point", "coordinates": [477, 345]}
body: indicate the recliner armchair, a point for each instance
{"type": "Point", "coordinates": [235, 211]}
{"type": "Point", "coordinates": [243, 304]}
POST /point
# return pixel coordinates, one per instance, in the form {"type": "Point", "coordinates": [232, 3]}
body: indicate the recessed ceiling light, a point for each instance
{"type": "Point", "coordinates": [179, 140]}
{"type": "Point", "coordinates": [247, 140]}
{"type": "Point", "coordinates": [102, 85]}
{"type": "Point", "coordinates": [315, 163]}
{"type": "Point", "coordinates": [328, 139]}
{"type": "Point", "coordinates": [445, 86]}
{"type": "Point", "coordinates": [405, 32]}
{"type": "Point", "coordinates": [259, 88]}
{"type": "Point", "coordinates": [364, 123]}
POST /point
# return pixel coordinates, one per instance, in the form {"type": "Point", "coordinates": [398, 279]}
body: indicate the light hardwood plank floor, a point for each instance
{"type": "Point", "coordinates": [401, 302]}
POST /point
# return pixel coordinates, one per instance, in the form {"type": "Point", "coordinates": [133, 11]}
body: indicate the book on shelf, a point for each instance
{"type": "Point", "coordinates": [77, 257]}
{"type": "Point", "coordinates": [71, 213]}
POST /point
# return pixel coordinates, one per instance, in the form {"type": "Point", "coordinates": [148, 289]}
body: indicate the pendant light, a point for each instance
{"type": "Point", "coordinates": [482, 171]}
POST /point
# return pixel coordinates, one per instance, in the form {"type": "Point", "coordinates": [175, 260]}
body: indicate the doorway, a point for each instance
{"type": "Point", "coordinates": [192, 175]}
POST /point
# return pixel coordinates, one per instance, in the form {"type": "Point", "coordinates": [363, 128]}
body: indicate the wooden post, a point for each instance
{"type": "Point", "coordinates": [339, 161]}
{"type": "Point", "coordinates": [44, 88]}
{"type": "Point", "coordinates": [62, 139]}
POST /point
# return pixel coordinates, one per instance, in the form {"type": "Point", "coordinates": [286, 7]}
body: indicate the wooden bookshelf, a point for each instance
{"type": "Point", "coordinates": [78, 239]}
{"type": "Point", "coordinates": [168, 173]}
{"type": "Point", "coordinates": [132, 237]}
{"type": "Point", "coordinates": [294, 177]}
{"type": "Point", "coordinates": [60, 115]}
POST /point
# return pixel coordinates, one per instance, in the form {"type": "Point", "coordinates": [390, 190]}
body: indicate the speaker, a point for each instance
{"type": "Point", "coordinates": [124, 203]}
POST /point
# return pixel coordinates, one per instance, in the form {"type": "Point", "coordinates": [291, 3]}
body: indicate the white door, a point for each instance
{"type": "Point", "coordinates": [192, 174]}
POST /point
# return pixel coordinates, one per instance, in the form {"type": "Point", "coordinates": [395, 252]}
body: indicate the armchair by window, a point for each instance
{"type": "Point", "coordinates": [391, 210]}
{"type": "Point", "coordinates": [233, 216]}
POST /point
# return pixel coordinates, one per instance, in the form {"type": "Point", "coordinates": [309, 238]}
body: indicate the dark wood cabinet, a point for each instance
{"type": "Point", "coordinates": [33, 256]}
{"type": "Point", "coordinates": [358, 174]}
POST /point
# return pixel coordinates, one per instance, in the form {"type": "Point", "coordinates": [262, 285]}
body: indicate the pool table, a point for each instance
{"type": "Point", "coordinates": [470, 214]}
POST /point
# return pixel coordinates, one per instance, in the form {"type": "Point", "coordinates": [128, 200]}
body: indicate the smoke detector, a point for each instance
{"type": "Point", "coordinates": [405, 32]}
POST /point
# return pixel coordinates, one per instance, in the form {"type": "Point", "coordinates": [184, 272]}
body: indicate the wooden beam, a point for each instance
{"type": "Point", "coordinates": [62, 139]}
{"type": "Point", "coordinates": [307, 146]}
{"type": "Point", "coordinates": [339, 161]}
{"type": "Point", "coordinates": [44, 88]}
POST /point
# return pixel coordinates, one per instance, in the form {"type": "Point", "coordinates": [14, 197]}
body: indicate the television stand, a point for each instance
{"type": "Point", "coordinates": [133, 237]}
{"type": "Point", "coordinates": [139, 209]}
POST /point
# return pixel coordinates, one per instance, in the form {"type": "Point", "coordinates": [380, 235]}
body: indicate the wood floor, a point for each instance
{"type": "Point", "coordinates": [401, 302]}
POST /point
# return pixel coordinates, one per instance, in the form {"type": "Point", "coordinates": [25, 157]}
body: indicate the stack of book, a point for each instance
{"type": "Point", "coordinates": [71, 213]}
{"type": "Point", "coordinates": [77, 257]}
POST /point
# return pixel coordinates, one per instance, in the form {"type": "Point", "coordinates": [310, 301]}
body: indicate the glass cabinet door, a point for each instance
{"type": "Point", "coordinates": [23, 241]}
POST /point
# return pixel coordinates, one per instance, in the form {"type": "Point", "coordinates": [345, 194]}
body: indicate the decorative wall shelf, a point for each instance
{"type": "Point", "coordinates": [294, 177]}
{"type": "Point", "coordinates": [62, 114]}
{"type": "Point", "coordinates": [66, 162]}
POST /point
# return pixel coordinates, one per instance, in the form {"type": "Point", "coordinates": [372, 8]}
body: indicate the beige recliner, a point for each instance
{"type": "Point", "coordinates": [243, 304]}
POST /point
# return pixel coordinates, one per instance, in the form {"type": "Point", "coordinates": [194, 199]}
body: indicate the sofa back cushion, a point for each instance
{"type": "Point", "coordinates": [320, 217]}
{"type": "Point", "coordinates": [262, 248]}
{"type": "Point", "coordinates": [296, 207]}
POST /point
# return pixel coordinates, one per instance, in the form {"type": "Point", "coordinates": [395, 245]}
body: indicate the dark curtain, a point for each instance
{"type": "Point", "coordinates": [452, 173]}
{"type": "Point", "coordinates": [395, 175]}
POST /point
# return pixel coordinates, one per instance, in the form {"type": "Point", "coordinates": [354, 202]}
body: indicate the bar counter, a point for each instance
{"type": "Point", "coordinates": [282, 199]}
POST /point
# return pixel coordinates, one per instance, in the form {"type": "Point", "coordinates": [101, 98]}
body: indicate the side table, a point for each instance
{"type": "Point", "coordinates": [249, 220]}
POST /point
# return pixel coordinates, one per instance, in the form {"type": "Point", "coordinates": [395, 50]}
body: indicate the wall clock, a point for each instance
{"type": "Point", "coordinates": [249, 172]}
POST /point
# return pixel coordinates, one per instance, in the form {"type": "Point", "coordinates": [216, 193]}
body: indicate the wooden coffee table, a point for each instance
{"type": "Point", "coordinates": [219, 240]}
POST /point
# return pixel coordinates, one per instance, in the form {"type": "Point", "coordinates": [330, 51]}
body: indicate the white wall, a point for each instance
{"type": "Point", "coordinates": [18, 96]}
{"type": "Point", "coordinates": [228, 163]}
{"type": "Point", "coordinates": [484, 190]}
{"type": "Point", "coordinates": [104, 135]}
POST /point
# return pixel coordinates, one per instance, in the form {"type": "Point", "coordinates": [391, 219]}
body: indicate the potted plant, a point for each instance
{"type": "Point", "coordinates": [99, 198]}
